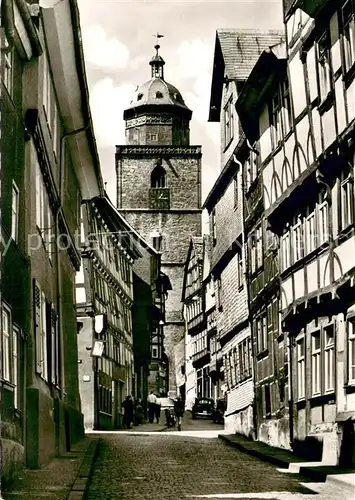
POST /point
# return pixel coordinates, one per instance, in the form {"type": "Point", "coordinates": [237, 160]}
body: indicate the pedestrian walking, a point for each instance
{"type": "Point", "coordinates": [157, 408]}
{"type": "Point", "coordinates": [151, 400]}
{"type": "Point", "coordinates": [138, 413]}
{"type": "Point", "coordinates": [128, 411]}
{"type": "Point", "coordinates": [179, 410]}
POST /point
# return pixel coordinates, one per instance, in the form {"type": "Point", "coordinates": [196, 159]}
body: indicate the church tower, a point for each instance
{"type": "Point", "coordinates": [159, 188]}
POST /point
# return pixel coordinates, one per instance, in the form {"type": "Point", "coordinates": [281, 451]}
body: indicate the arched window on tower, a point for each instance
{"type": "Point", "coordinates": [158, 177]}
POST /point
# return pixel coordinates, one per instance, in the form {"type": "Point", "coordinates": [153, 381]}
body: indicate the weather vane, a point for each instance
{"type": "Point", "coordinates": [157, 36]}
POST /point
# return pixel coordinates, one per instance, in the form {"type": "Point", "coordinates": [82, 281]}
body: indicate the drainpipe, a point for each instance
{"type": "Point", "coordinates": [57, 233]}
{"type": "Point", "coordinates": [8, 23]}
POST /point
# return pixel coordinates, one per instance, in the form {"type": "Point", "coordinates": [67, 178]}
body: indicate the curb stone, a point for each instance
{"type": "Point", "coordinates": [82, 481]}
{"type": "Point", "coordinates": [266, 458]}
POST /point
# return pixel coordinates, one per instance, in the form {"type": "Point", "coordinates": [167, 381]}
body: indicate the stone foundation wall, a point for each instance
{"type": "Point", "coordinates": [240, 422]}
{"type": "Point", "coordinates": [275, 432]}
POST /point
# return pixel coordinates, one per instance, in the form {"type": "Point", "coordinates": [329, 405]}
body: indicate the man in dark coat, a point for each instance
{"type": "Point", "coordinates": [128, 412]}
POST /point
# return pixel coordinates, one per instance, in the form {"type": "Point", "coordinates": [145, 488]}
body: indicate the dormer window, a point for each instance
{"type": "Point", "coordinates": [158, 177]}
{"type": "Point", "coordinates": [139, 97]}
{"type": "Point", "coordinates": [159, 95]}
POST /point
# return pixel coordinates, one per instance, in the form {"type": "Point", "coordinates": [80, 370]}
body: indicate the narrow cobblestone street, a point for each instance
{"type": "Point", "coordinates": [166, 465]}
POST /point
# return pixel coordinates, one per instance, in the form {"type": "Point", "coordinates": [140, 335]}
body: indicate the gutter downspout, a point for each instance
{"type": "Point", "coordinates": [58, 262]}
{"type": "Point", "coordinates": [8, 23]}
{"type": "Point", "coordinates": [28, 21]}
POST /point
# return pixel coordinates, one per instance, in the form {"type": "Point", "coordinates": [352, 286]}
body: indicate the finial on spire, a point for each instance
{"type": "Point", "coordinates": [157, 61]}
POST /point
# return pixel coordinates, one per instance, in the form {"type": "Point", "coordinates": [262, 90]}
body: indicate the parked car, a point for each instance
{"type": "Point", "coordinates": [203, 407]}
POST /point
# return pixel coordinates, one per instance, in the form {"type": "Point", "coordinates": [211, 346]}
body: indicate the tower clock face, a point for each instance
{"type": "Point", "coordinates": [160, 198]}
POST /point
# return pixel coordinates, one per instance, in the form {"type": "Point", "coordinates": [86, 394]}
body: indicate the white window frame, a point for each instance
{"type": "Point", "coordinates": [286, 107]}
{"type": "Point", "coordinates": [329, 359]}
{"type": "Point", "coordinates": [351, 350]}
{"type": "Point", "coordinates": [310, 232]}
{"type": "Point", "coordinates": [6, 343]}
{"type": "Point", "coordinates": [316, 355]}
{"type": "Point", "coordinates": [8, 69]}
{"type": "Point", "coordinates": [297, 241]}
{"type": "Point", "coordinates": [228, 123]}
{"type": "Point", "coordinates": [348, 35]}
{"type": "Point", "coordinates": [346, 201]}
{"type": "Point", "coordinates": [15, 364]}
{"type": "Point", "coordinates": [15, 204]}
{"type": "Point", "coordinates": [301, 367]}
{"type": "Point", "coordinates": [259, 247]}
{"type": "Point", "coordinates": [275, 119]}
{"type": "Point", "coordinates": [286, 250]}
{"type": "Point", "coordinates": [323, 215]}
{"type": "Point", "coordinates": [323, 64]}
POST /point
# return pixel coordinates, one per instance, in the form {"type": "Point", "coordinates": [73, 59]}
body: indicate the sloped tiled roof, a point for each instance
{"type": "Point", "coordinates": [242, 48]}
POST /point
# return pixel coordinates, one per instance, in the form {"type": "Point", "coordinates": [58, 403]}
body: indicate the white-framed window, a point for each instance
{"type": "Point", "coordinates": [261, 332]}
{"type": "Point", "coordinates": [323, 222]}
{"type": "Point", "coordinates": [6, 344]}
{"type": "Point", "coordinates": [297, 243]}
{"type": "Point", "coordinates": [285, 251]}
{"type": "Point", "coordinates": [286, 107]}
{"type": "Point", "coordinates": [228, 123]}
{"type": "Point", "coordinates": [323, 64]}
{"type": "Point", "coordinates": [348, 33]}
{"type": "Point", "coordinates": [329, 378]}
{"type": "Point", "coordinates": [310, 233]}
{"type": "Point", "coordinates": [9, 70]}
{"type": "Point", "coordinates": [351, 350]}
{"type": "Point", "coordinates": [259, 247]}
{"type": "Point", "coordinates": [50, 105]}
{"type": "Point", "coordinates": [15, 211]}
{"type": "Point", "coordinates": [252, 168]}
{"type": "Point", "coordinates": [40, 197]}
{"type": "Point", "coordinates": [15, 365]}
{"type": "Point", "coordinates": [316, 362]}
{"type": "Point", "coordinates": [275, 119]}
{"type": "Point", "coordinates": [300, 345]}
{"type": "Point", "coordinates": [346, 200]}
{"type": "Point", "coordinates": [40, 319]}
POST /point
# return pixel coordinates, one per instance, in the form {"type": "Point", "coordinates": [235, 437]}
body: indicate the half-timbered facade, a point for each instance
{"type": "Point", "coordinates": [236, 51]}
{"type": "Point", "coordinates": [262, 147]}
{"type": "Point", "coordinates": [197, 353]}
{"type": "Point", "coordinates": [305, 130]}
{"type": "Point", "coordinates": [105, 289]}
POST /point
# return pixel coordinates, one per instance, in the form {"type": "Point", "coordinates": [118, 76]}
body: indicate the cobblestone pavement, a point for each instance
{"type": "Point", "coordinates": [164, 466]}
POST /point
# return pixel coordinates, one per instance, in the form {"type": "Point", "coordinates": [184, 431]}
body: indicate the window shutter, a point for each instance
{"type": "Point", "coordinates": [37, 325]}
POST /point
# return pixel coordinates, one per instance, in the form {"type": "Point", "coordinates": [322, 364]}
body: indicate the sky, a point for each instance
{"type": "Point", "coordinates": [119, 43]}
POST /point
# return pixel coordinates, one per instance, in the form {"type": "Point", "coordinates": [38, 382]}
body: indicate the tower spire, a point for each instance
{"type": "Point", "coordinates": [157, 62]}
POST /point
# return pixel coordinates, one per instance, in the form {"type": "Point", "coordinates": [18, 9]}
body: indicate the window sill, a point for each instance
{"type": "Point", "coordinates": [345, 234]}
{"type": "Point", "coordinates": [322, 399]}
{"type": "Point", "coordinates": [349, 75]}
{"type": "Point", "coordinates": [350, 387]}
{"type": "Point", "coordinates": [262, 354]}
{"type": "Point", "coordinates": [326, 103]}
{"type": "Point", "coordinates": [300, 403]}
